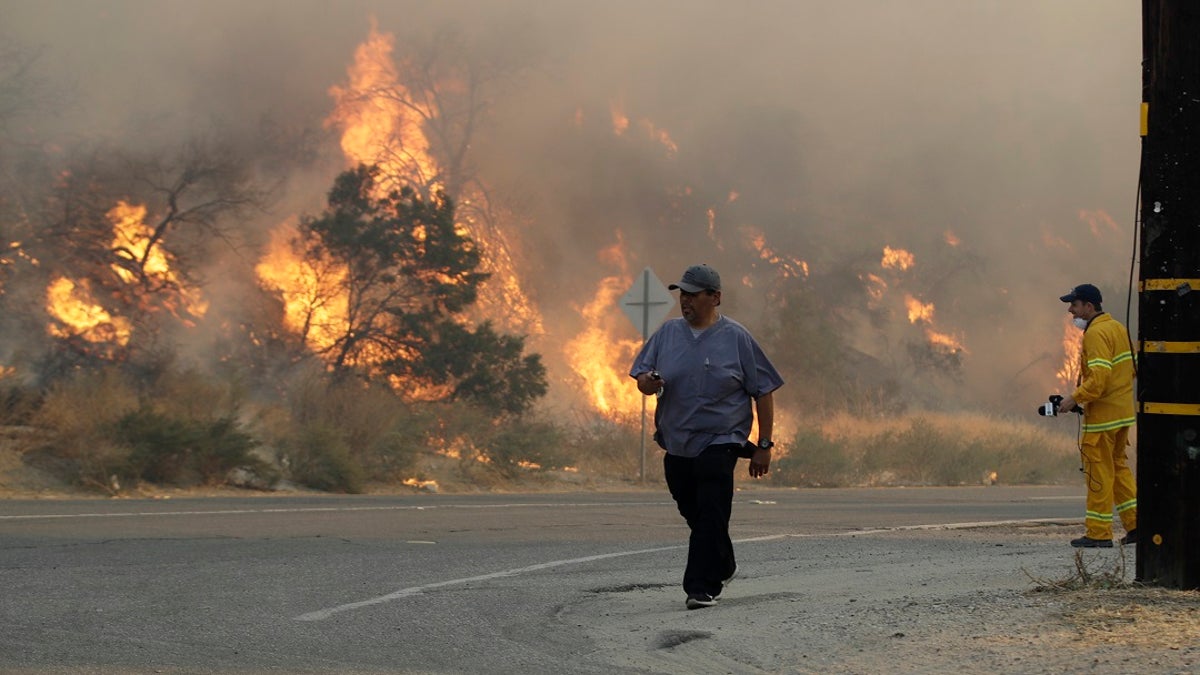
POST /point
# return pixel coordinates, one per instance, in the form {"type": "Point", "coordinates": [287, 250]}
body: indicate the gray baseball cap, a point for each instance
{"type": "Point", "coordinates": [698, 278]}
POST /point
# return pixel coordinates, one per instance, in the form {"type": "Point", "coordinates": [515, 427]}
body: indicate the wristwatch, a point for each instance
{"type": "Point", "coordinates": [765, 445]}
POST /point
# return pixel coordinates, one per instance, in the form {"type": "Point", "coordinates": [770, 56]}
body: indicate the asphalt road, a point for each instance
{"type": "Point", "coordinates": [421, 583]}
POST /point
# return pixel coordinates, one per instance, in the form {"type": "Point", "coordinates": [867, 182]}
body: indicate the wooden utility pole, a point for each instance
{"type": "Point", "coordinates": [1168, 382]}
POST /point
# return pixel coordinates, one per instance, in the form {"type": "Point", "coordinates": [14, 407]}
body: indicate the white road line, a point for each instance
{"type": "Point", "coordinates": [322, 614]}
{"type": "Point", "coordinates": [312, 509]}
{"type": "Point", "coordinates": [349, 509]}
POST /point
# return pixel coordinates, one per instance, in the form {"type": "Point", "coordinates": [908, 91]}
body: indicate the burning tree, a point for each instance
{"type": "Point", "coordinates": [388, 277]}
{"type": "Point", "coordinates": [123, 241]}
{"type": "Point", "coordinates": [417, 117]}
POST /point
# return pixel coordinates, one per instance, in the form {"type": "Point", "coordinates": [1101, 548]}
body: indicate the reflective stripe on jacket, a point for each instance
{"type": "Point", "coordinates": [1106, 376]}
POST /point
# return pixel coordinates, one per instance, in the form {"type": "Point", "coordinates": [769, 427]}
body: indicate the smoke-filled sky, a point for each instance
{"type": "Point", "coordinates": [995, 140]}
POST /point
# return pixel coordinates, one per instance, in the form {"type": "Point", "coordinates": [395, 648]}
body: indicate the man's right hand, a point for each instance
{"type": "Point", "coordinates": [1067, 405]}
{"type": "Point", "coordinates": [647, 384]}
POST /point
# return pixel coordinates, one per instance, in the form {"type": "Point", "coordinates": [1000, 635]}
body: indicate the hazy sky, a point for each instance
{"type": "Point", "coordinates": [1008, 126]}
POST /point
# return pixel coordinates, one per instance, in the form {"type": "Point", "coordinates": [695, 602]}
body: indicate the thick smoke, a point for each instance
{"type": "Point", "coordinates": [996, 141]}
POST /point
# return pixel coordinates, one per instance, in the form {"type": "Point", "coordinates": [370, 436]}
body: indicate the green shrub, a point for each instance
{"type": "Point", "coordinates": [159, 446]}
{"type": "Point", "coordinates": [524, 444]}
{"type": "Point", "coordinates": [877, 460]}
{"type": "Point", "coordinates": [75, 417]}
{"type": "Point", "coordinates": [813, 461]}
{"type": "Point", "coordinates": [165, 449]}
{"type": "Point", "coordinates": [318, 457]}
{"type": "Point", "coordinates": [221, 447]}
{"type": "Point", "coordinates": [375, 429]}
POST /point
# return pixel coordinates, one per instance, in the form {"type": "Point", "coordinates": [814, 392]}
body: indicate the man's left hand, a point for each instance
{"type": "Point", "coordinates": [760, 462]}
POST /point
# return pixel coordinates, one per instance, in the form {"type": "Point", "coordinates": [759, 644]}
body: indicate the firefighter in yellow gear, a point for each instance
{"type": "Point", "coordinates": [1105, 392]}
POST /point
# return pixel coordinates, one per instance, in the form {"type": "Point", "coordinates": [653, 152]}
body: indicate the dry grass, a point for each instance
{"type": "Point", "coordinates": [1085, 575]}
{"type": "Point", "coordinates": [928, 448]}
{"type": "Point", "coordinates": [1137, 616]}
{"type": "Point", "coordinates": [968, 427]}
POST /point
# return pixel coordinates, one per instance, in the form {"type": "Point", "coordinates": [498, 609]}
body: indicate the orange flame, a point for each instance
{"type": "Point", "coordinates": [951, 238]}
{"type": "Point", "coordinates": [944, 341]}
{"type": "Point", "coordinates": [918, 311]}
{"type": "Point", "coordinates": [620, 121]}
{"type": "Point", "coordinates": [380, 123]}
{"type": "Point", "coordinates": [896, 258]}
{"type": "Point", "coordinates": [600, 359]}
{"type": "Point", "coordinates": [789, 268]}
{"type": "Point", "coordinates": [79, 315]}
{"type": "Point", "coordinates": [314, 306]}
{"type": "Point", "coordinates": [1099, 222]}
{"type": "Point", "coordinates": [620, 124]}
{"type": "Point", "coordinates": [661, 136]}
{"type": "Point", "coordinates": [431, 485]}
{"type": "Point", "coordinates": [75, 311]}
{"type": "Point", "coordinates": [1052, 240]}
{"type": "Point", "coordinates": [383, 125]}
{"type": "Point", "coordinates": [875, 288]}
{"type": "Point", "coordinates": [133, 240]}
{"type": "Point", "coordinates": [1072, 344]}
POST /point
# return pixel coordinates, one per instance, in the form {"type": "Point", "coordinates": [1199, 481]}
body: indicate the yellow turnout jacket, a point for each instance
{"type": "Point", "coordinates": [1105, 376]}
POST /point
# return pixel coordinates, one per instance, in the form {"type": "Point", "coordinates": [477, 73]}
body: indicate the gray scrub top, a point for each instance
{"type": "Point", "coordinates": [709, 383]}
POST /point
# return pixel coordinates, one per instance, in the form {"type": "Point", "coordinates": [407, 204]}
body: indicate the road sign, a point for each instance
{"type": "Point", "coordinates": [647, 302]}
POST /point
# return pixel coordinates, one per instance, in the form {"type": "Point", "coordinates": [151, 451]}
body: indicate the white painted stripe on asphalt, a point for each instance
{"type": "Point", "coordinates": [322, 614]}
{"type": "Point", "coordinates": [310, 509]}
{"type": "Point", "coordinates": [350, 509]}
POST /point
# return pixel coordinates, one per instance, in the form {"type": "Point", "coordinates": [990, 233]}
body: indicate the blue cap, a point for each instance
{"type": "Point", "coordinates": [1084, 292]}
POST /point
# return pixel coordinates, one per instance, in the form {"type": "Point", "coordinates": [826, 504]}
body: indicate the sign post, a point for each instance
{"type": "Point", "coordinates": [646, 304]}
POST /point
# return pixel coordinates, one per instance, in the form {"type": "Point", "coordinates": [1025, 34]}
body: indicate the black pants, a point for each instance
{"type": "Point", "coordinates": [702, 487]}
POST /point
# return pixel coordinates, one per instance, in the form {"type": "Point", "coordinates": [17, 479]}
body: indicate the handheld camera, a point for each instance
{"type": "Point", "coordinates": [655, 375]}
{"type": "Point", "coordinates": [1051, 407]}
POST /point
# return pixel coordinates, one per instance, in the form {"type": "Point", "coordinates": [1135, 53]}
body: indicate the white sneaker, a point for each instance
{"type": "Point", "coordinates": [727, 580]}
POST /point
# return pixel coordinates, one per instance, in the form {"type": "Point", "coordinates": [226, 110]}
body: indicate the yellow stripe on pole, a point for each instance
{"type": "Point", "coordinates": [1168, 284]}
{"type": "Point", "coordinates": [1145, 118]}
{"type": "Point", "coordinates": [1164, 347]}
{"type": "Point", "coordinates": [1171, 408]}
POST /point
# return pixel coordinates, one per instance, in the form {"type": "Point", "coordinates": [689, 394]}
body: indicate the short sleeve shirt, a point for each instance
{"type": "Point", "coordinates": [710, 381]}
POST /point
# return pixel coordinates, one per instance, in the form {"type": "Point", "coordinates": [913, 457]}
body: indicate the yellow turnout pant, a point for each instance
{"type": "Point", "coordinates": [1110, 483]}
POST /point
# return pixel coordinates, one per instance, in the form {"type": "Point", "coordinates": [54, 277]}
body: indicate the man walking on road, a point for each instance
{"type": "Point", "coordinates": [707, 369]}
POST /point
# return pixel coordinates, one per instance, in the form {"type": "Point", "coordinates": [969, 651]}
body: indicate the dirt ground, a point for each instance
{"type": "Point", "coordinates": [982, 600]}
{"type": "Point", "coordinates": [1084, 615]}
